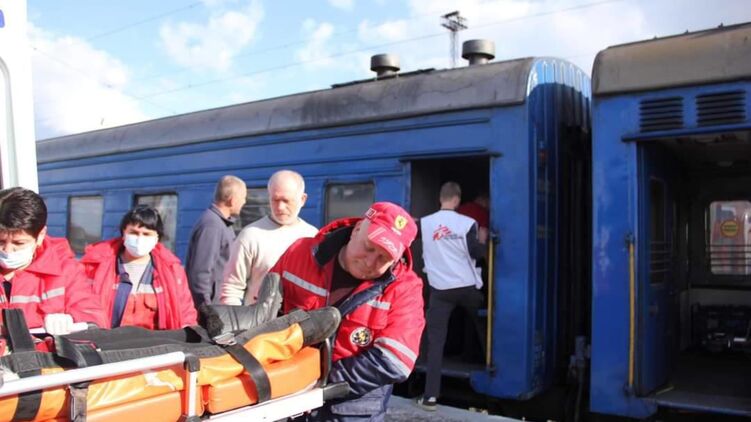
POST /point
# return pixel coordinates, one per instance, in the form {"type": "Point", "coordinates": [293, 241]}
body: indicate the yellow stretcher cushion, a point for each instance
{"type": "Point", "coordinates": [286, 377]}
{"type": "Point", "coordinates": [288, 367]}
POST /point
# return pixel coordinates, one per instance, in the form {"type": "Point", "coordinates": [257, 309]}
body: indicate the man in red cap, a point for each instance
{"type": "Point", "coordinates": [363, 266]}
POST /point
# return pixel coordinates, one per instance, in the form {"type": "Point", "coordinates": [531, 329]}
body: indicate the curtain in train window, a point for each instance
{"type": "Point", "coordinates": [256, 207]}
{"type": "Point", "coordinates": [166, 204]}
{"type": "Point", "coordinates": [348, 200]}
{"type": "Point", "coordinates": [729, 237]}
{"type": "Point", "coordinates": [84, 221]}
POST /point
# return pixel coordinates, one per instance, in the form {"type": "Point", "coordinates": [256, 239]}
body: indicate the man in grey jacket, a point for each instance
{"type": "Point", "coordinates": [211, 240]}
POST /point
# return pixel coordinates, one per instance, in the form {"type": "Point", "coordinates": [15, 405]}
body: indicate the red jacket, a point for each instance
{"type": "Point", "coordinates": [174, 304]}
{"type": "Point", "coordinates": [53, 283]}
{"type": "Point", "coordinates": [378, 341]}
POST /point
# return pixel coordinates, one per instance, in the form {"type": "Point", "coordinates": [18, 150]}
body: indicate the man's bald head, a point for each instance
{"type": "Point", "coordinates": [287, 178]}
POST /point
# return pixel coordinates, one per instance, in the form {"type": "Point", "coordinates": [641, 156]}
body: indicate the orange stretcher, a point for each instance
{"type": "Point", "coordinates": [175, 385]}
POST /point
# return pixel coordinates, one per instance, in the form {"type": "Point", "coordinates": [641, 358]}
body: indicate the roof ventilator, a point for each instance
{"type": "Point", "coordinates": [478, 51]}
{"type": "Point", "coordinates": [661, 114]}
{"type": "Point", "coordinates": [721, 108]}
{"type": "Point", "coordinates": [384, 65]}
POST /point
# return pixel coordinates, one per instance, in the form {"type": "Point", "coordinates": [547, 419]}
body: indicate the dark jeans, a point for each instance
{"type": "Point", "coordinates": [370, 407]}
{"type": "Point", "coordinates": [441, 303]}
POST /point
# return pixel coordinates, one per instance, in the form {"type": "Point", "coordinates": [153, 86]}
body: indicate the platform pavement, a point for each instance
{"type": "Point", "coordinates": [406, 410]}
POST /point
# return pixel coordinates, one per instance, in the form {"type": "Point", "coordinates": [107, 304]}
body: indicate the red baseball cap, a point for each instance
{"type": "Point", "coordinates": [391, 228]}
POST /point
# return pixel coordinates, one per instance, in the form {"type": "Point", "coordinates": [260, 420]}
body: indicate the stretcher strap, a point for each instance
{"type": "Point", "coordinates": [78, 396]}
{"type": "Point", "coordinates": [22, 346]}
{"type": "Point", "coordinates": [82, 353]}
{"type": "Point", "coordinates": [253, 368]}
{"type": "Point", "coordinates": [28, 404]}
{"type": "Point", "coordinates": [19, 338]}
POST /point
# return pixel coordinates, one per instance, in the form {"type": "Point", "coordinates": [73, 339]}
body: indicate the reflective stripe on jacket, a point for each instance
{"type": "Point", "coordinates": [54, 283]}
{"type": "Point", "coordinates": [378, 341]}
{"type": "Point", "coordinates": [174, 303]}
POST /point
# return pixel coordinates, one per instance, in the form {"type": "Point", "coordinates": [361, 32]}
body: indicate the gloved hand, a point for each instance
{"type": "Point", "coordinates": [58, 324]}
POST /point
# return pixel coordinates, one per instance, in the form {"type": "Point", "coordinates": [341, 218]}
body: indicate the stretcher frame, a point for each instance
{"type": "Point", "coordinates": [279, 408]}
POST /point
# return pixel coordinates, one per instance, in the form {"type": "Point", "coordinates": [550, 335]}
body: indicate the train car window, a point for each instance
{"type": "Point", "coordinates": [348, 200]}
{"type": "Point", "coordinates": [84, 221]}
{"type": "Point", "coordinates": [660, 249]}
{"type": "Point", "coordinates": [728, 237]}
{"type": "Point", "coordinates": [256, 207]}
{"type": "Point", "coordinates": [166, 204]}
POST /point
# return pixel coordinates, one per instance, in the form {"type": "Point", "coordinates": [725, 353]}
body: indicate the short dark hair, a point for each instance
{"type": "Point", "coordinates": [450, 190]}
{"type": "Point", "coordinates": [145, 216]}
{"type": "Point", "coordinates": [227, 187]}
{"type": "Point", "coordinates": [22, 210]}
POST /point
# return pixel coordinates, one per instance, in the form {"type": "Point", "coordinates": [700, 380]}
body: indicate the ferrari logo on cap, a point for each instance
{"type": "Point", "coordinates": [361, 336]}
{"type": "Point", "coordinates": [400, 222]}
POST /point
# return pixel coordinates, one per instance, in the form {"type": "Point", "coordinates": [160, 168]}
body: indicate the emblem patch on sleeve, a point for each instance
{"type": "Point", "coordinates": [361, 336]}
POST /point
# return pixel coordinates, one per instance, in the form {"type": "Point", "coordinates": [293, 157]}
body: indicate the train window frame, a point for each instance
{"type": "Point", "coordinates": [70, 214]}
{"type": "Point", "coordinates": [327, 214]}
{"type": "Point", "coordinates": [170, 228]}
{"type": "Point", "coordinates": [242, 222]}
{"type": "Point", "coordinates": [717, 270]}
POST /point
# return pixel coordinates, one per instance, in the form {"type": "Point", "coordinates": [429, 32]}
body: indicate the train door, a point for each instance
{"type": "Point", "coordinates": [654, 280]}
{"type": "Point", "coordinates": [462, 353]}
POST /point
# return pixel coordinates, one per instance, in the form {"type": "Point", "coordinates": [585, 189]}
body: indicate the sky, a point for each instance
{"type": "Point", "coordinates": [99, 64]}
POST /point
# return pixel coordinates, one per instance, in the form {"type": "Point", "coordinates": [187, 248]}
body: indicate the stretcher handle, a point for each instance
{"type": "Point", "coordinates": [336, 390]}
{"type": "Point", "coordinates": [77, 326]}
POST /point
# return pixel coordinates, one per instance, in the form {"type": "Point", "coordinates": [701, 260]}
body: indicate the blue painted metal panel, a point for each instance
{"type": "Point", "coordinates": [617, 196]}
{"type": "Point", "coordinates": [614, 220]}
{"type": "Point", "coordinates": [371, 151]}
{"type": "Point", "coordinates": [524, 213]}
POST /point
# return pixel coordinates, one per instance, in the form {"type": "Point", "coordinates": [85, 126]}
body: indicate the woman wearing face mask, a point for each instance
{"type": "Point", "coordinates": [40, 274]}
{"type": "Point", "coordinates": [140, 282]}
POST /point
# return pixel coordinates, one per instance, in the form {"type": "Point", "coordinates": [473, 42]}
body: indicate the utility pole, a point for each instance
{"type": "Point", "coordinates": [454, 23]}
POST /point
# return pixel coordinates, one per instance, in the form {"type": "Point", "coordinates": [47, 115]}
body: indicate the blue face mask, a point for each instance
{"type": "Point", "coordinates": [17, 259]}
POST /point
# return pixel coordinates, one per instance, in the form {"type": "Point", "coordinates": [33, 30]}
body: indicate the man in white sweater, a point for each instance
{"type": "Point", "coordinates": [260, 244]}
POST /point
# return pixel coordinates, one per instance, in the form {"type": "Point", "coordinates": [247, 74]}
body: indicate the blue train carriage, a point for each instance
{"type": "Point", "coordinates": [517, 129]}
{"type": "Point", "coordinates": [671, 255]}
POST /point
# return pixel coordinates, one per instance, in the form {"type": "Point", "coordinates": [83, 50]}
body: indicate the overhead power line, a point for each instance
{"type": "Point", "coordinates": [143, 21]}
{"type": "Point", "coordinates": [63, 63]}
{"type": "Point", "coordinates": [368, 48]}
{"type": "Point", "coordinates": [146, 97]}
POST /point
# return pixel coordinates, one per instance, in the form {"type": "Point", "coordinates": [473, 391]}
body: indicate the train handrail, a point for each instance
{"type": "Point", "coordinates": [632, 311]}
{"type": "Point", "coordinates": [489, 318]}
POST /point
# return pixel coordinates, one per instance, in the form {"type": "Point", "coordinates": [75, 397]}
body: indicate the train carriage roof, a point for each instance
{"type": "Point", "coordinates": [716, 55]}
{"type": "Point", "coordinates": [502, 83]}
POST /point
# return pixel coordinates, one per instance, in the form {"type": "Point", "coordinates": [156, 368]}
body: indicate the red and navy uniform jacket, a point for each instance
{"type": "Point", "coordinates": [382, 320]}
{"type": "Point", "coordinates": [170, 307]}
{"type": "Point", "coordinates": [54, 283]}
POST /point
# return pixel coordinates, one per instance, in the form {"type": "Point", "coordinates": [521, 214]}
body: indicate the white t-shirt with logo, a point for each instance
{"type": "Point", "coordinates": [448, 263]}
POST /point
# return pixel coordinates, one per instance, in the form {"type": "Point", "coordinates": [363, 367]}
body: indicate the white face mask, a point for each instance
{"type": "Point", "coordinates": [17, 259]}
{"type": "Point", "coordinates": [139, 246]}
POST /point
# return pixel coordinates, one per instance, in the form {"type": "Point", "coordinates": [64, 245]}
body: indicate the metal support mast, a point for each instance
{"type": "Point", "coordinates": [454, 23]}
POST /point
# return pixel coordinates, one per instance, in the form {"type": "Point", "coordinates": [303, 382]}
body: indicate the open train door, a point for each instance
{"type": "Point", "coordinates": [464, 353]}
{"type": "Point", "coordinates": [651, 274]}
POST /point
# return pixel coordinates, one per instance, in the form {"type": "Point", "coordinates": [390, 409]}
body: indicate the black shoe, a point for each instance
{"type": "Point", "coordinates": [228, 319]}
{"type": "Point", "coordinates": [320, 325]}
{"type": "Point", "coordinates": [428, 403]}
